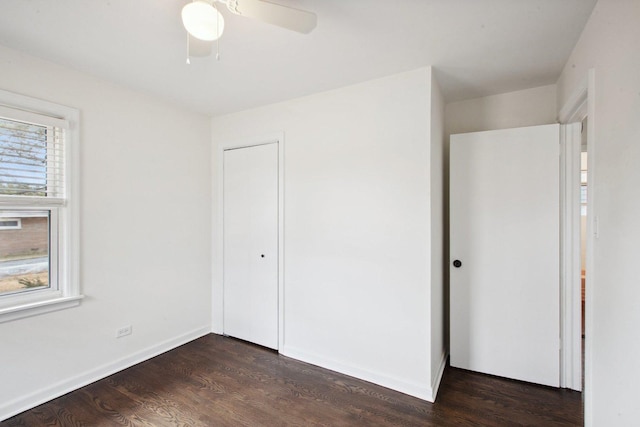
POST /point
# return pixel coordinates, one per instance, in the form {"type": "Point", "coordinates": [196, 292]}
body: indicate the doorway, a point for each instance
{"type": "Point", "coordinates": [584, 220]}
{"type": "Point", "coordinates": [579, 213]}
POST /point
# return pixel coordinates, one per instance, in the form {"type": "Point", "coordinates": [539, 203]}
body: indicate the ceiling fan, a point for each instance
{"type": "Point", "coordinates": [205, 24]}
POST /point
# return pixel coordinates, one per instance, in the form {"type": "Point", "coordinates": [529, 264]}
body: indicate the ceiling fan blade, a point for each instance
{"type": "Point", "coordinates": [276, 14]}
{"type": "Point", "coordinates": [199, 48]}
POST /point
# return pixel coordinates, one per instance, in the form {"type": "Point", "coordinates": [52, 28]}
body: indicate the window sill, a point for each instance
{"type": "Point", "coordinates": [39, 307]}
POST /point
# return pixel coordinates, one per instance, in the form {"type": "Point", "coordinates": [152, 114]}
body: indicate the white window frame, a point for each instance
{"type": "Point", "coordinates": [64, 223]}
{"type": "Point", "coordinates": [18, 225]}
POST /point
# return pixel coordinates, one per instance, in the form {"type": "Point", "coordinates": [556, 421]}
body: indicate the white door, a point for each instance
{"type": "Point", "coordinates": [251, 244]}
{"type": "Point", "coordinates": [504, 231]}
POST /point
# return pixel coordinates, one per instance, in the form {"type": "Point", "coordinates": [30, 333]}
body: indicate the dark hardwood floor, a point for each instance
{"type": "Point", "coordinates": [218, 381]}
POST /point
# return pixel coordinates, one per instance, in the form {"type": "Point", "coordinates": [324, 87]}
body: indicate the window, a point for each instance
{"type": "Point", "coordinates": [10, 223]}
{"type": "Point", "coordinates": [38, 207]}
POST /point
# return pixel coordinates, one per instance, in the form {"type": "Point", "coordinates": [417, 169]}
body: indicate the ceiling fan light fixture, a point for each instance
{"type": "Point", "coordinates": [202, 20]}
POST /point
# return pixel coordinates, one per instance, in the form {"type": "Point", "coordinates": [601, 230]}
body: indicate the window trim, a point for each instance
{"type": "Point", "coordinates": [67, 244]}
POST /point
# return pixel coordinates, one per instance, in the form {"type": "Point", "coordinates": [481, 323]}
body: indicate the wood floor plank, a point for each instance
{"type": "Point", "coordinates": [220, 381]}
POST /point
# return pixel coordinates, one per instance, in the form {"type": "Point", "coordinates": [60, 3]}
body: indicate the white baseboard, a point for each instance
{"type": "Point", "coordinates": [23, 403]}
{"type": "Point", "coordinates": [421, 391]}
{"type": "Point", "coordinates": [435, 385]}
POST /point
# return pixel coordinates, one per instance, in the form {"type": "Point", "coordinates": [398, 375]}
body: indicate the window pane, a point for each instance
{"type": "Point", "coordinates": [23, 158]}
{"type": "Point", "coordinates": [9, 223]}
{"type": "Point", "coordinates": [24, 251]}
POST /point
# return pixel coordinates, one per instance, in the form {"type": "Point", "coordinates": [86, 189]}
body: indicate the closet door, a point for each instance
{"type": "Point", "coordinates": [251, 244]}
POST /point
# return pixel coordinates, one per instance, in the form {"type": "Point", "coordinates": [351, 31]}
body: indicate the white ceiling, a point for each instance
{"type": "Point", "coordinates": [478, 47]}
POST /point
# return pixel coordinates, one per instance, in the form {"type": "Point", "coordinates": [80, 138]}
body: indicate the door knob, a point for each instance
{"type": "Point", "coordinates": [262, 256]}
{"type": "Point", "coordinates": [457, 263]}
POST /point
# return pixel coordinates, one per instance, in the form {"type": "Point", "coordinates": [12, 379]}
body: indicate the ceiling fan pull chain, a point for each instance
{"type": "Point", "coordinates": [188, 59]}
{"type": "Point", "coordinates": [218, 39]}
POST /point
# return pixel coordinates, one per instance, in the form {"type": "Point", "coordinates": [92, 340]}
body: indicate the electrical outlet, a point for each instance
{"type": "Point", "coordinates": [124, 331]}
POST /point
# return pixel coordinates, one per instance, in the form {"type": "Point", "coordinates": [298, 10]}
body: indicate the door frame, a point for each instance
{"type": "Point", "coordinates": [570, 280]}
{"type": "Point", "coordinates": [581, 104]}
{"type": "Point", "coordinates": [217, 273]}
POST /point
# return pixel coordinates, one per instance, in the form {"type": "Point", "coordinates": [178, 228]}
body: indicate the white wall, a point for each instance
{"type": "Point", "coordinates": [609, 45]}
{"type": "Point", "coordinates": [357, 232]}
{"type": "Point", "coordinates": [439, 320]}
{"type": "Point", "coordinates": [145, 237]}
{"type": "Point", "coordinates": [529, 107]}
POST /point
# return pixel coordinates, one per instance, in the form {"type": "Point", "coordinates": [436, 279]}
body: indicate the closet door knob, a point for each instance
{"type": "Point", "coordinates": [457, 263]}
